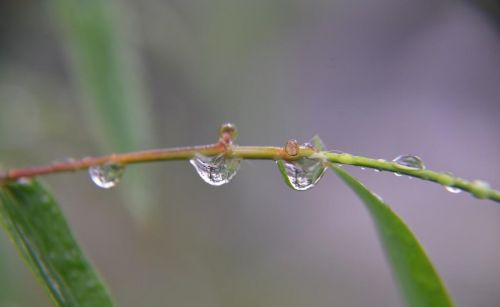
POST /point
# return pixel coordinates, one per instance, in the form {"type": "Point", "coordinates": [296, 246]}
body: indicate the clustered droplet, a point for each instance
{"type": "Point", "coordinates": [106, 175]}
{"type": "Point", "coordinates": [216, 170]}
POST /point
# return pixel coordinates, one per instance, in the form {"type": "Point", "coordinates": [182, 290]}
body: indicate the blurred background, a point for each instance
{"type": "Point", "coordinates": [375, 78]}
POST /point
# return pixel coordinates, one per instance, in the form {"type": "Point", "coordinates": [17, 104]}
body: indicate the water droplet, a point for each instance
{"type": "Point", "coordinates": [106, 175]}
{"type": "Point", "coordinates": [228, 132]}
{"type": "Point", "coordinates": [410, 161]}
{"type": "Point", "coordinates": [304, 173]}
{"type": "Point", "coordinates": [453, 190]}
{"type": "Point", "coordinates": [482, 184]}
{"type": "Point", "coordinates": [216, 170]}
{"type": "Point", "coordinates": [480, 188]}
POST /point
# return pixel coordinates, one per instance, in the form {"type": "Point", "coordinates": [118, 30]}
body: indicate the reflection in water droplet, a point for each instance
{"type": "Point", "coordinates": [216, 170]}
{"type": "Point", "coordinates": [304, 173]}
{"type": "Point", "coordinates": [106, 175]}
{"type": "Point", "coordinates": [453, 190]}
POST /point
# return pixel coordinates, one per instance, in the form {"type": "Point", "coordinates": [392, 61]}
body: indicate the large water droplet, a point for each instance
{"type": "Point", "coordinates": [216, 170]}
{"type": "Point", "coordinates": [453, 190]}
{"type": "Point", "coordinates": [413, 162]}
{"type": "Point", "coordinates": [106, 175]}
{"type": "Point", "coordinates": [409, 161]}
{"type": "Point", "coordinates": [304, 173]}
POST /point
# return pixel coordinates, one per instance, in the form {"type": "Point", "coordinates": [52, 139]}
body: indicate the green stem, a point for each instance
{"type": "Point", "coordinates": [476, 188]}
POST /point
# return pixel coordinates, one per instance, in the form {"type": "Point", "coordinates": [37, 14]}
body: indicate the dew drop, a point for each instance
{"type": "Point", "coordinates": [413, 162]}
{"type": "Point", "coordinates": [304, 173]}
{"type": "Point", "coordinates": [482, 184]}
{"type": "Point", "coordinates": [453, 190]}
{"type": "Point", "coordinates": [216, 170]}
{"type": "Point", "coordinates": [106, 175]}
{"type": "Point", "coordinates": [409, 161]}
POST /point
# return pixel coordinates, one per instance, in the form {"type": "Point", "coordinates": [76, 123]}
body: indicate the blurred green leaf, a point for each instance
{"type": "Point", "coordinates": [415, 275]}
{"type": "Point", "coordinates": [36, 225]}
{"type": "Point", "coordinates": [107, 68]}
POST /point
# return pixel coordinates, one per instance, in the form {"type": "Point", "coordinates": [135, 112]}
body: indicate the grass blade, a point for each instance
{"type": "Point", "coordinates": [106, 64]}
{"type": "Point", "coordinates": [419, 282]}
{"type": "Point", "coordinates": [36, 225]}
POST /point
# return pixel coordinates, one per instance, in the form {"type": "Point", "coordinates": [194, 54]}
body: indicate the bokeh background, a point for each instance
{"type": "Point", "coordinates": [375, 78]}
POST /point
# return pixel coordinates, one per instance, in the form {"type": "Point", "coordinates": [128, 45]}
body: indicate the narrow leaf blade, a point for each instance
{"type": "Point", "coordinates": [419, 283]}
{"type": "Point", "coordinates": [36, 225]}
{"type": "Point", "coordinates": [107, 66]}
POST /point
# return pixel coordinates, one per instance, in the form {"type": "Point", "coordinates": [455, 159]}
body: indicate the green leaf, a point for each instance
{"type": "Point", "coordinates": [106, 64]}
{"type": "Point", "coordinates": [317, 143]}
{"type": "Point", "coordinates": [36, 225]}
{"type": "Point", "coordinates": [418, 281]}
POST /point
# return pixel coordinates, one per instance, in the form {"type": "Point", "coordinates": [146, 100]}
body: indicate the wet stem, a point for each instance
{"type": "Point", "coordinates": [225, 147]}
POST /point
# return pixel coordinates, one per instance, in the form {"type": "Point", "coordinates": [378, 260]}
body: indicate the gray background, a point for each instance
{"type": "Point", "coordinates": [375, 78]}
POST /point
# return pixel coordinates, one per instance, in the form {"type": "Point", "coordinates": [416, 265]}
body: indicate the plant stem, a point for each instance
{"type": "Point", "coordinates": [477, 188]}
